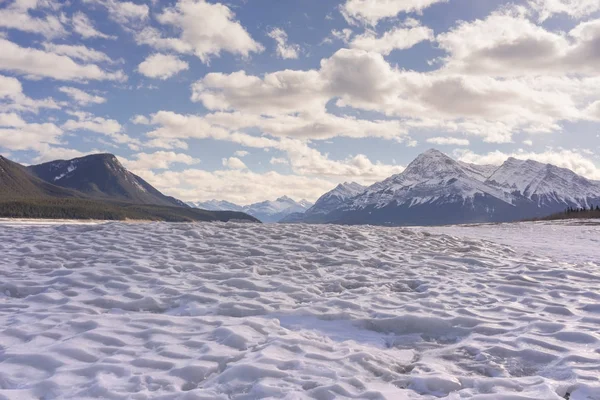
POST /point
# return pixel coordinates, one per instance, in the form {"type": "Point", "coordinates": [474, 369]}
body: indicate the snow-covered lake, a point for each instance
{"type": "Point", "coordinates": [240, 311]}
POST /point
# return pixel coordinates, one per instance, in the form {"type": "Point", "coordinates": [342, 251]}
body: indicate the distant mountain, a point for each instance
{"type": "Point", "coordinates": [216, 205]}
{"type": "Point", "coordinates": [274, 211]}
{"type": "Point", "coordinates": [327, 203]}
{"type": "Point", "coordinates": [266, 211]}
{"type": "Point", "coordinates": [435, 189]}
{"type": "Point", "coordinates": [95, 187]}
{"type": "Point", "coordinates": [102, 176]}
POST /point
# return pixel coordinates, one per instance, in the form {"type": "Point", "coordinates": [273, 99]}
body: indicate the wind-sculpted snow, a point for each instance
{"type": "Point", "coordinates": [245, 311]}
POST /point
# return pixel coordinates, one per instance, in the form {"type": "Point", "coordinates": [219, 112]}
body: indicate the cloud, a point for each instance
{"type": "Point", "coordinates": [12, 98]}
{"type": "Point", "coordinates": [85, 27]}
{"type": "Point", "coordinates": [278, 160]}
{"type": "Point", "coordinates": [528, 142]}
{"type": "Point", "coordinates": [206, 30]}
{"type": "Point", "coordinates": [571, 159]}
{"type": "Point", "coordinates": [157, 160]}
{"type": "Point", "coordinates": [344, 35]}
{"type": "Point", "coordinates": [282, 91]}
{"type": "Point", "coordinates": [293, 103]}
{"type": "Point", "coordinates": [107, 127]}
{"type": "Point", "coordinates": [241, 153]}
{"type": "Point", "coordinates": [51, 153]}
{"type": "Point", "coordinates": [77, 52]}
{"type": "Point", "coordinates": [38, 63]}
{"type": "Point", "coordinates": [573, 8]}
{"type": "Point", "coordinates": [399, 38]}
{"type": "Point", "coordinates": [140, 120]}
{"type": "Point", "coordinates": [307, 161]}
{"type": "Point", "coordinates": [162, 66]}
{"type": "Point", "coordinates": [372, 11]}
{"type": "Point", "coordinates": [16, 16]}
{"type": "Point", "coordinates": [507, 44]}
{"type": "Point", "coordinates": [82, 98]}
{"type": "Point", "coordinates": [123, 12]}
{"type": "Point", "coordinates": [303, 159]}
{"type": "Point", "coordinates": [17, 134]}
{"type": "Point", "coordinates": [284, 49]}
{"type": "Point", "coordinates": [238, 186]}
{"type": "Point", "coordinates": [442, 141]}
{"type": "Point", "coordinates": [234, 163]}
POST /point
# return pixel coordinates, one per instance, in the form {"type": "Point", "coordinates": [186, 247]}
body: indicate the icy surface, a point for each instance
{"type": "Point", "coordinates": [240, 311]}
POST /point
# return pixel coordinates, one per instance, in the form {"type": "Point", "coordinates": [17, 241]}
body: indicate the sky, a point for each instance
{"type": "Point", "coordinates": [250, 100]}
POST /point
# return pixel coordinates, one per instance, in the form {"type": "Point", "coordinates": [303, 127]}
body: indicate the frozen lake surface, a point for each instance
{"type": "Point", "coordinates": [241, 311]}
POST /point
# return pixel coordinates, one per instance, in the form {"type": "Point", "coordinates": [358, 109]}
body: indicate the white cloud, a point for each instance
{"type": "Point", "coordinates": [81, 97]}
{"type": "Point", "coordinates": [344, 35]}
{"type": "Point", "coordinates": [38, 63]}
{"type": "Point", "coordinates": [372, 11]}
{"type": "Point", "coordinates": [443, 141]}
{"type": "Point", "coordinates": [282, 91]}
{"type": "Point", "coordinates": [399, 38]}
{"type": "Point", "coordinates": [17, 134]}
{"type": "Point", "coordinates": [85, 27]}
{"type": "Point", "coordinates": [234, 163]}
{"type": "Point", "coordinates": [294, 101]}
{"type": "Point", "coordinates": [77, 52]}
{"type": "Point", "coordinates": [162, 66]}
{"type": "Point", "coordinates": [13, 99]}
{"type": "Point", "coordinates": [303, 159]}
{"type": "Point", "coordinates": [50, 153]}
{"type": "Point", "coordinates": [307, 161]}
{"type": "Point", "coordinates": [574, 8]}
{"type": "Point", "coordinates": [140, 120]}
{"type": "Point", "coordinates": [206, 30]}
{"type": "Point", "coordinates": [107, 127]}
{"type": "Point", "coordinates": [571, 159]}
{"type": "Point", "coordinates": [278, 160]}
{"type": "Point", "coordinates": [528, 142]}
{"type": "Point", "coordinates": [241, 153]}
{"type": "Point", "coordinates": [158, 160]}
{"type": "Point", "coordinates": [506, 44]}
{"type": "Point", "coordinates": [16, 16]}
{"type": "Point", "coordinates": [285, 50]}
{"type": "Point", "coordinates": [124, 12]}
{"type": "Point", "coordinates": [238, 186]}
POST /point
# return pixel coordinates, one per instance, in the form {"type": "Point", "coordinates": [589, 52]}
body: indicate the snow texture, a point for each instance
{"type": "Point", "coordinates": [249, 311]}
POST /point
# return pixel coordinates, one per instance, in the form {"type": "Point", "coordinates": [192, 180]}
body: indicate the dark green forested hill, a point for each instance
{"type": "Point", "coordinates": [23, 194]}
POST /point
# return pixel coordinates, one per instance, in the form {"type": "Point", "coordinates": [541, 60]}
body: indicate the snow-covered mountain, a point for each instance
{"type": "Point", "coordinates": [274, 211]}
{"type": "Point", "coordinates": [327, 203]}
{"type": "Point", "coordinates": [544, 184]}
{"type": "Point", "coordinates": [266, 211]}
{"type": "Point", "coordinates": [435, 189]}
{"type": "Point", "coordinates": [216, 205]}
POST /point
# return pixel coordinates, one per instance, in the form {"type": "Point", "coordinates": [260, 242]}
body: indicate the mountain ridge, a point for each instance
{"type": "Point", "coordinates": [268, 211]}
{"type": "Point", "coordinates": [24, 194]}
{"type": "Point", "coordinates": [436, 189]}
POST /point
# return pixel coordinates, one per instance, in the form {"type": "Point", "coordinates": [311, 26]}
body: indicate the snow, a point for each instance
{"type": "Point", "coordinates": [70, 168]}
{"type": "Point", "coordinates": [335, 198]}
{"type": "Point", "coordinates": [249, 311]}
{"type": "Point", "coordinates": [433, 177]}
{"type": "Point", "coordinates": [531, 178]}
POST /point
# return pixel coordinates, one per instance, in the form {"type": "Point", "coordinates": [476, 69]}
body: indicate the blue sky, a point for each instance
{"type": "Point", "coordinates": [252, 100]}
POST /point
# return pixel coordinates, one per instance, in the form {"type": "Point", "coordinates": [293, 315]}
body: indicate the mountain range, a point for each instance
{"type": "Point", "coordinates": [266, 211]}
{"type": "Point", "coordinates": [435, 189]}
{"type": "Point", "coordinates": [92, 187]}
